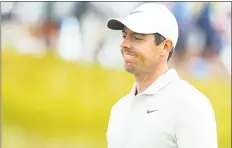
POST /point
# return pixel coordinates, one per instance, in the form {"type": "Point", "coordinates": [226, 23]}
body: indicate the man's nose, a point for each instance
{"type": "Point", "coordinates": [126, 43]}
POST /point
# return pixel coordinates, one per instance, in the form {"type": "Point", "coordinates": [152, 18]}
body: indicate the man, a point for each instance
{"type": "Point", "coordinates": [161, 111]}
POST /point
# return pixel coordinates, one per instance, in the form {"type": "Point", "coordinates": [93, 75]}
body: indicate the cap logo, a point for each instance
{"type": "Point", "coordinates": [135, 12]}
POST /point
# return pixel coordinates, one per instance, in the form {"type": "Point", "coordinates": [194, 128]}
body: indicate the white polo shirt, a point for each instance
{"type": "Point", "coordinates": [170, 113]}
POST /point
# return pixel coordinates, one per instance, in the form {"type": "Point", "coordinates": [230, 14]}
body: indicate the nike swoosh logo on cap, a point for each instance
{"type": "Point", "coordinates": [135, 12]}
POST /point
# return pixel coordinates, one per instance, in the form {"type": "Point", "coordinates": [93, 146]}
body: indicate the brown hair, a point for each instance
{"type": "Point", "coordinates": [159, 39]}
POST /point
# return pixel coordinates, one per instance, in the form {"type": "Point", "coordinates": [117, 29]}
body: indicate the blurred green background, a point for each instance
{"type": "Point", "coordinates": [51, 103]}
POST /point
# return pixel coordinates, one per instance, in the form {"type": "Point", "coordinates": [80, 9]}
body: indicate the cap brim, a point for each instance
{"type": "Point", "coordinates": [116, 24]}
{"type": "Point", "coordinates": [119, 24]}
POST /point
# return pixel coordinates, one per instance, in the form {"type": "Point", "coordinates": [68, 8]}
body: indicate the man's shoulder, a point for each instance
{"type": "Point", "coordinates": [122, 103]}
{"type": "Point", "coordinates": [184, 89]}
{"type": "Point", "coordinates": [190, 98]}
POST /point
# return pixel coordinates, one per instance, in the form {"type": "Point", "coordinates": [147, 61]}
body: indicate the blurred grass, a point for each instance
{"type": "Point", "coordinates": [60, 104]}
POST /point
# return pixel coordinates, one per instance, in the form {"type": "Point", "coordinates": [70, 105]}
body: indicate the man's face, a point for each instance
{"type": "Point", "coordinates": [140, 53]}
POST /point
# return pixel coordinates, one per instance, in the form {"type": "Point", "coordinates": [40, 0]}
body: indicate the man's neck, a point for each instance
{"type": "Point", "coordinates": [144, 80]}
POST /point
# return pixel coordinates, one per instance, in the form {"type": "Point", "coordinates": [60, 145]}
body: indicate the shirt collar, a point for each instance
{"type": "Point", "coordinates": [159, 83]}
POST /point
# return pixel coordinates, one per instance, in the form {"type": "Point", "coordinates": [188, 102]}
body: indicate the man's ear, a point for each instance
{"type": "Point", "coordinates": [168, 45]}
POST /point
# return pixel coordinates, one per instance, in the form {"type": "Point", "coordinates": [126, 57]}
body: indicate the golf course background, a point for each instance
{"type": "Point", "coordinates": [50, 103]}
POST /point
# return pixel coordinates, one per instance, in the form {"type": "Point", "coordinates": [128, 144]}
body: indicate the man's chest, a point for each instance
{"type": "Point", "coordinates": [141, 125]}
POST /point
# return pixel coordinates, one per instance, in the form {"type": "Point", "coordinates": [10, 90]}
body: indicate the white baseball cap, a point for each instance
{"type": "Point", "coordinates": [149, 18]}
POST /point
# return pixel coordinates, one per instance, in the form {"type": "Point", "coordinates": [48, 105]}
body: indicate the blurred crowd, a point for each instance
{"type": "Point", "coordinates": [76, 31]}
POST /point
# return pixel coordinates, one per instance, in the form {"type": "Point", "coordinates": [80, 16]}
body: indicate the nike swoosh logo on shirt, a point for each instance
{"type": "Point", "coordinates": [151, 111]}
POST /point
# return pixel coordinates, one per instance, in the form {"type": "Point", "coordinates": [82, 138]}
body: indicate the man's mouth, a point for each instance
{"type": "Point", "coordinates": [129, 53]}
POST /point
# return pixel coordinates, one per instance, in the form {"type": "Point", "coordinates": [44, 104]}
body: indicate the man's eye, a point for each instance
{"type": "Point", "coordinates": [124, 36]}
{"type": "Point", "coordinates": [137, 38]}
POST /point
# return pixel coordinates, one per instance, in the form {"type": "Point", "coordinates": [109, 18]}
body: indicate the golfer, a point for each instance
{"type": "Point", "coordinates": [162, 110]}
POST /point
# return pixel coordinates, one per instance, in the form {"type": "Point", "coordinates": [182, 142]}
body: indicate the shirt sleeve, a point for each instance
{"type": "Point", "coordinates": [196, 126]}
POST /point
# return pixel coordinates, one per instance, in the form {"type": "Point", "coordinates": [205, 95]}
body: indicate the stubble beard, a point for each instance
{"type": "Point", "coordinates": [129, 69]}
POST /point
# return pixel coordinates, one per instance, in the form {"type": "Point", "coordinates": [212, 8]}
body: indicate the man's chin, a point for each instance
{"type": "Point", "coordinates": [129, 69]}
